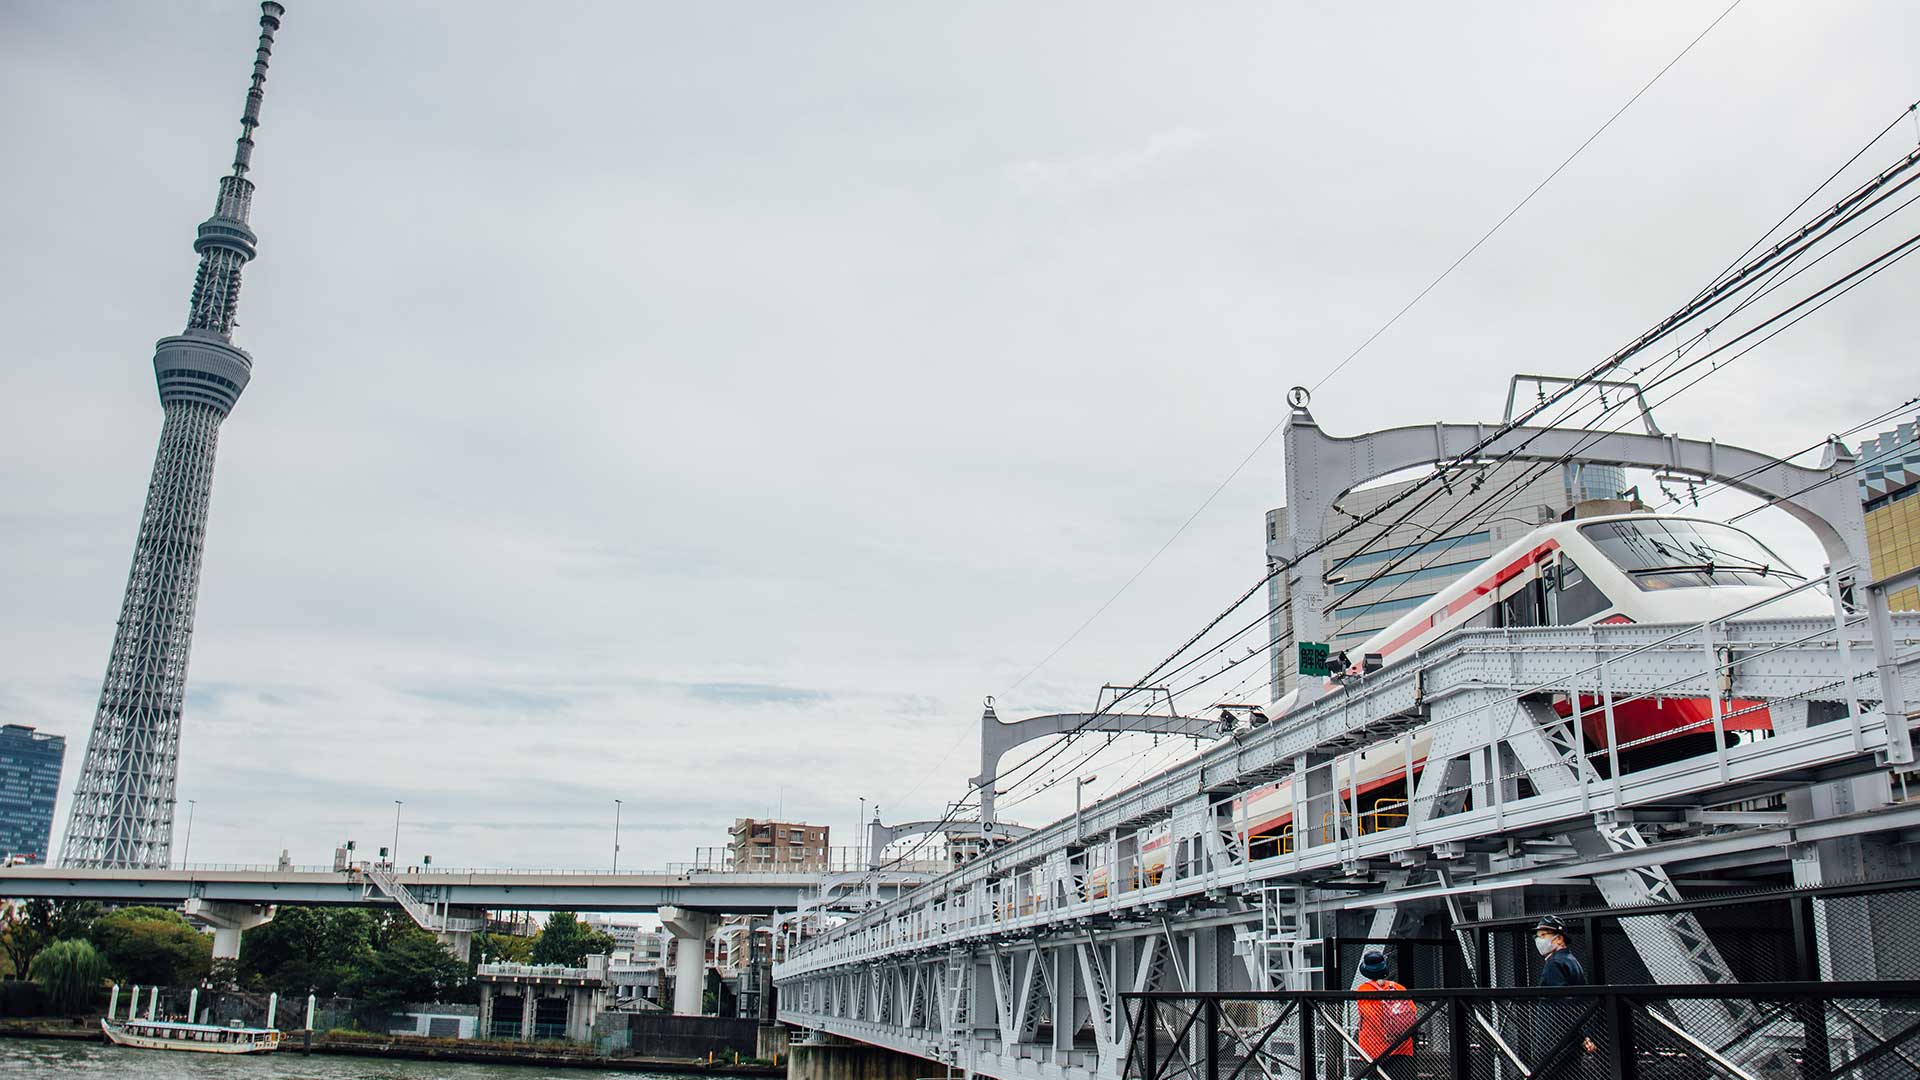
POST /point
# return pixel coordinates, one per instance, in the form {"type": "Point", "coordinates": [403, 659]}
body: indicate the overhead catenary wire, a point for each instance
{"type": "Point", "coordinates": [1721, 486]}
{"type": "Point", "coordinates": [1850, 281]}
{"type": "Point", "coordinates": [1246, 459]}
{"type": "Point", "coordinates": [1843, 213]}
{"type": "Point", "coordinates": [1725, 287]}
{"type": "Point", "coordinates": [1824, 295]}
{"type": "Point", "coordinates": [1673, 357]}
{"type": "Point", "coordinates": [1850, 209]}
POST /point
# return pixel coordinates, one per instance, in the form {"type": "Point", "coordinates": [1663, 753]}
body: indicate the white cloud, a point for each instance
{"type": "Point", "coordinates": [1067, 177]}
{"type": "Point", "coordinates": [651, 404]}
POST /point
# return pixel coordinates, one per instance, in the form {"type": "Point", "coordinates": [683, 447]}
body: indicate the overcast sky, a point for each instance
{"type": "Point", "coordinates": [706, 405]}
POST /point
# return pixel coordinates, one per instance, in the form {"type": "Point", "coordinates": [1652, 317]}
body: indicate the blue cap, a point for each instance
{"type": "Point", "coordinates": [1373, 963]}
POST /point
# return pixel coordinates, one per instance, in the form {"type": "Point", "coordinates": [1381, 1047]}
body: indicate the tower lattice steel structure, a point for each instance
{"type": "Point", "coordinates": [122, 813]}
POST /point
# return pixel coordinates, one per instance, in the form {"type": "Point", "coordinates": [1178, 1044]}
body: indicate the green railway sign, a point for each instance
{"type": "Point", "coordinates": [1313, 658]}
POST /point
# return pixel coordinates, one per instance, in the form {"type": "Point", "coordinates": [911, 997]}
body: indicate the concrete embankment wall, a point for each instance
{"type": "Point", "coordinates": [852, 1061]}
{"type": "Point", "coordinates": [552, 1055]}
{"type": "Point", "coordinates": [663, 1036]}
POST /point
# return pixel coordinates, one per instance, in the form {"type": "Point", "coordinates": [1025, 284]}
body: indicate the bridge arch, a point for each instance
{"type": "Point", "coordinates": [1321, 468]}
{"type": "Point", "coordinates": [996, 738]}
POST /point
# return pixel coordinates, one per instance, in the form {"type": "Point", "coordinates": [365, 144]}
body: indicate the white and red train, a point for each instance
{"type": "Point", "coordinates": [1640, 568]}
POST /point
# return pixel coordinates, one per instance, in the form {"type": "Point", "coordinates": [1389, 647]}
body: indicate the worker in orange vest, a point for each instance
{"type": "Point", "coordinates": [1385, 1023]}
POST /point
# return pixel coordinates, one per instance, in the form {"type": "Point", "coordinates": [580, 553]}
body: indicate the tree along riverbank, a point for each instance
{"type": "Point", "coordinates": [419, 1048]}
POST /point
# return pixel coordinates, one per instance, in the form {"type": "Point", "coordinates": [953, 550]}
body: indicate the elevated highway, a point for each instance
{"type": "Point", "coordinates": [450, 903]}
{"type": "Point", "coordinates": [538, 890]}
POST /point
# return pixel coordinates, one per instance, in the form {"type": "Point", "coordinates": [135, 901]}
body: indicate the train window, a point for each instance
{"type": "Point", "coordinates": [1679, 553]}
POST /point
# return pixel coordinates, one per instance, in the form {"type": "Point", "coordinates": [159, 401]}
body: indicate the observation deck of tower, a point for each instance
{"type": "Point", "coordinates": [123, 805]}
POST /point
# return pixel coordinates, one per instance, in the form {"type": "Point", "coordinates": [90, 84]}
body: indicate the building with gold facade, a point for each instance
{"type": "Point", "coordinates": [1890, 489]}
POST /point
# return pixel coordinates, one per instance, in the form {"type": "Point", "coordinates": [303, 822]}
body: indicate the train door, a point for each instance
{"type": "Point", "coordinates": [1573, 598]}
{"type": "Point", "coordinates": [1526, 607]}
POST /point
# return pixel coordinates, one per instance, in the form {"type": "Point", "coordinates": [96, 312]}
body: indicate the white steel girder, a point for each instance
{"type": "Point", "coordinates": [1068, 988]}
{"type": "Point", "coordinates": [1042, 957]}
{"type": "Point", "coordinates": [1446, 690]}
{"type": "Point", "coordinates": [1321, 468]}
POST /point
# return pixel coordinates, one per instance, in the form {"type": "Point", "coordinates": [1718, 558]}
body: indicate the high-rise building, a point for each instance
{"type": "Point", "coordinates": [29, 781]}
{"type": "Point", "coordinates": [123, 804]}
{"type": "Point", "coordinates": [1427, 550]}
{"type": "Point", "coordinates": [1889, 484]}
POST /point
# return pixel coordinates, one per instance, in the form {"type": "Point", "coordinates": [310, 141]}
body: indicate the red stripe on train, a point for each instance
{"type": "Point", "coordinates": [1500, 577]}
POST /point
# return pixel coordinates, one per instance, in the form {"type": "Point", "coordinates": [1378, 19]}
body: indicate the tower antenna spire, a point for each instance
{"type": "Point", "coordinates": [270, 13]}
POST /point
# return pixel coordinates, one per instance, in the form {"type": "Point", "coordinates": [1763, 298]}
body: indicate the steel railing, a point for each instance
{"type": "Point", "coordinates": [1799, 1030]}
{"type": "Point", "coordinates": [1042, 876]}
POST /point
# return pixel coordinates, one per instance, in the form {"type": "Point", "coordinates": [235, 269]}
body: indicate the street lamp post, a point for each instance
{"type": "Point", "coordinates": [395, 849]}
{"type": "Point", "coordinates": [616, 836]}
{"type": "Point", "coordinates": [187, 848]}
{"type": "Point", "coordinates": [1077, 785]}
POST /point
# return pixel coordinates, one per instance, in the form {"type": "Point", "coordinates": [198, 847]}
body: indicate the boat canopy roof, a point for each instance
{"type": "Point", "coordinates": [182, 1025]}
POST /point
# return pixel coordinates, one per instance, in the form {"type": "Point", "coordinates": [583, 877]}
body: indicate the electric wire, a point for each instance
{"type": "Point", "coordinates": [1787, 252]}
{"type": "Point", "coordinates": [1784, 251]}
{"type": "Point", "coordinates": [1371, 338]}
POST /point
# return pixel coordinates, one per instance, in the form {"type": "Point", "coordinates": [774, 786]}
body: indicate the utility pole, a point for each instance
{"type": "Point", "coordinates": [187, 848]}
{"type": "Point", "coordinates": [616, 836]}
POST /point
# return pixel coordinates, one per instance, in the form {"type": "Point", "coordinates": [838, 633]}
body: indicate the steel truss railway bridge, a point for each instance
{"type": "Point", "coordinates": [1017, 964]}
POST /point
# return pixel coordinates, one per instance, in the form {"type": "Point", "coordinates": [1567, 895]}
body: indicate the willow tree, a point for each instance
{"type": "Point", "coordinates": [69, 974]}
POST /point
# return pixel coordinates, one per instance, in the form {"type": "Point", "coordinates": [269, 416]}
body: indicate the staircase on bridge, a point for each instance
{"type": "Point", "coordinates": [432, 917]}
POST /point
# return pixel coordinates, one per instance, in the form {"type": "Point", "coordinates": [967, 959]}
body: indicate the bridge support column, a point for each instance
{"type": "Point", "coordinates": [1067, 992]}
{"type": "Point", "coordinates": [1846, 926]}
{"type": "Point", "coordinates": [854, 1061]}
{"type": "Point", "coordinates": [689, 930]}
{"type": "Point", "coordinates": [459, 943]}
{"type": "Point", "coordinates": [228, 921]}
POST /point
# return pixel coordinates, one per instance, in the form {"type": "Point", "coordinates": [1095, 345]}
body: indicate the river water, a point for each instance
{"type": "Point", "coordinates": [65, 1059]}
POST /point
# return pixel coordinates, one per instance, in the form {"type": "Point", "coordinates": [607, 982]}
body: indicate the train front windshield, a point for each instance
{"type": "Point", "coordinates": [1671, 553]}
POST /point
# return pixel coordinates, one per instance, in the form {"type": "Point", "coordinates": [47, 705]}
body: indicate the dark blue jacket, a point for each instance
{"type": "Point", "coordinates": [1562, 969]}
{"type": "Point", "coordinates": [1553, 1018]}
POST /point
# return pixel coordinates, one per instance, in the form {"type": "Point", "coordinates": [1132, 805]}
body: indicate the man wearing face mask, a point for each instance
{"type": "Point", "coordinates": [1562, 968]}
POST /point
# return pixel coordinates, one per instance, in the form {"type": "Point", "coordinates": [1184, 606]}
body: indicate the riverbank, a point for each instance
{"type": "Point", "coordinates": [421, 1048]}
{"type": "Point", "coordinates": [481, 1052]}
{"type": "Point", "coordinates": [51, 1027]}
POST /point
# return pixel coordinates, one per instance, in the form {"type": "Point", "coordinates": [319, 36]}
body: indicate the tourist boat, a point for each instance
{"type": "Point", "coordinates": [203, 1038]}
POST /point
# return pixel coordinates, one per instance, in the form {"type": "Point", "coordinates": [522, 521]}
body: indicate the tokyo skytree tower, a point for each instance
{"type": "Point", "coordinates": [122, 813]}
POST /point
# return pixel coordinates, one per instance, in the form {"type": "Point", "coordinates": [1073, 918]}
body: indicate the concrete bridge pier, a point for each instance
{"type": "Point", "coordinates": [690, 930]}
{"type": "Point", "coordinates": [843, 1060]}
{"type": "Point", "coordinates": [228, 920]}
{"type": "Point", "coordinates": [459, 943]}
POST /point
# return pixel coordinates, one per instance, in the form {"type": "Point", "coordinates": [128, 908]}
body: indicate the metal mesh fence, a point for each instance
{"type": "Point", "coordinates": [1412, 962]}
{"type": "Point", "coordinates": [1855, 931]}
{"type": "Point", "coordinates": [1777, 1031]}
